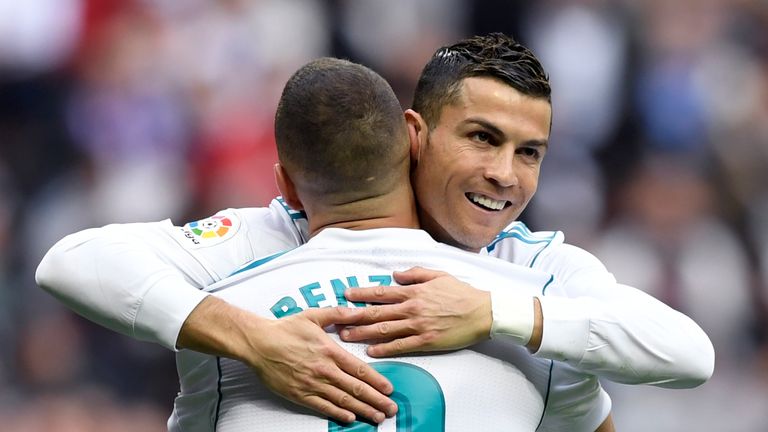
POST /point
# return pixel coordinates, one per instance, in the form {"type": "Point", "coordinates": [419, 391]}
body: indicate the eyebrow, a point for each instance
{"type": "Point", "coordinates": [500, 134]}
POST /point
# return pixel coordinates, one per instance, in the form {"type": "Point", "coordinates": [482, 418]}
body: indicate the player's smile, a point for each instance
{"type": "Point", "coordinates": [487, 203]}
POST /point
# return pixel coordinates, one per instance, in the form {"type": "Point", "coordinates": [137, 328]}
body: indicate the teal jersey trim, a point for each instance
{"type": "Point", "coordinates": [546, 285]}
{"type": "Point", "coordinates": [294, 214]}
{"type": "Point", "coordinates": [259, 262]}
{"type": "Point", "coordinates": [535, 257]}
{"type": "Point", "coordinates": [551, 362]}
{"type": "Point", "coordinates": [522, 233]}
{"type": "Point", "coordinates": [546, 396]}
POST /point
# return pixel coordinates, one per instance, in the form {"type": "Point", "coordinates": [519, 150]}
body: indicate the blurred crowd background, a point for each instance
{"type": "Point", "coordinates": [139, 110]}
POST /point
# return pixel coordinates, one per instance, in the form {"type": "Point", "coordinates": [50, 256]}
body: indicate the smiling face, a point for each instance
{"type": "Point", "coordinates": [476, 170]}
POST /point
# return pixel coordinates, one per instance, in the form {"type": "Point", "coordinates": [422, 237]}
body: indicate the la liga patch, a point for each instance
{"type": "Point", "coordinates": [212, 230]}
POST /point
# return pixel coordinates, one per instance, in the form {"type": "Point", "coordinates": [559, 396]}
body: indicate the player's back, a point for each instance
{"type": "Point", "coordinates": [495, 385]}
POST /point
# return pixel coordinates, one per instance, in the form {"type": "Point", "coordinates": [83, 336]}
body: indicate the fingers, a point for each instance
{"type": "Point", "coordinates": [365, 389]}
{"type": "Point", "coordinates": [331, 380]}
{"type": "Point", "coordinates": [326, 316]}
{"type": "Point", "coordinates": [378, 330]}
{"type": "Point", "coordinates": [362, 372]}
{"type": "Point", "coordinates": [404, 345]}
{"type": "Point", "coordinates": [336, 383]}
{"type": "Point", "coordinates": [342, 406]}
{"type": "Point", "coordinates": [416, 275]}
{"type": "Point", "coordinates": [379, 294]}
{"type": "Point", "coordinates": [328, 409]}
{"type": "Point", "coordinates": [339, 404]}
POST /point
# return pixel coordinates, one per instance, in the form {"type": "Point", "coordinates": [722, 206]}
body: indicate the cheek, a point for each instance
{"type": "Point", "coordinates": [530, 181]}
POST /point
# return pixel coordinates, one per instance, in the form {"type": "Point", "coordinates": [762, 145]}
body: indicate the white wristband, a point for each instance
{"type": "Point", "coordinates": [513, 316]}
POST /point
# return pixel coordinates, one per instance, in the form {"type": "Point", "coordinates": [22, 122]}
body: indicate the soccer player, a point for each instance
{"type": "Point", "coordinates": [337, 126]}
{"type": "Point", "coordinates": [476, 145]}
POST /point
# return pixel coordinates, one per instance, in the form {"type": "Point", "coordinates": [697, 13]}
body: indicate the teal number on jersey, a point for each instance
{"type": "Point", "coordinates": [420, 400]}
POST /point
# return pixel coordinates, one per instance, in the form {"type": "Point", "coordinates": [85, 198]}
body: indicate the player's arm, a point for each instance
{"type": "Point", "coordinates": [131, 278]}
{"type": "Point", "coordinates": [434, 311]}
{"type": "Point", "coordinates": [139, 280]}
{"type": "Point", "coordinates": [591, 322]}
{"type": "Point", "coordinates": [617, 331]}
{"type": "Point", "coordinates": [431, 311]}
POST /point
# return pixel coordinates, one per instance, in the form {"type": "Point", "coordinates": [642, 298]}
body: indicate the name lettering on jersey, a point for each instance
{"type": "Point", "coordinates": [322, 294]}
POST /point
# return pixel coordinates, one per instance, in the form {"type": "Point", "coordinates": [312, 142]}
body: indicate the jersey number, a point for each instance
{"type": "Point", "coordinates": [419, 397]}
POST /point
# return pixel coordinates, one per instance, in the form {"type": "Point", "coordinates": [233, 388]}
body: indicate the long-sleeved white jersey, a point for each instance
{"type": "Point", "coordinates": [144, 279]}
{"type": "Point", "coordinates": [494, 385]}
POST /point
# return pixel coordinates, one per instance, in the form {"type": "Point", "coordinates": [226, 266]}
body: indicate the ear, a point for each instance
{"type": "Point", "coordinates": [417, 134]}
{"type": "Point", "coordinates": [287, 188]}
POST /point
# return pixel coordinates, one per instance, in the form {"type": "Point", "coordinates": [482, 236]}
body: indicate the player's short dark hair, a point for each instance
{"type": "Point", "coordinates": [340, 129]}
{"type": "Point", "coordinates": [495, 55]}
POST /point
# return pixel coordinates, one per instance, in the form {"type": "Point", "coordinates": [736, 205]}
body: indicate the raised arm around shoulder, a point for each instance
{"type": "Point", "coordinates": [144, 279]}
{"type": "Point", "coordinates": [123, 282]}
{"type": "Point", "coordinates": [619, 332]}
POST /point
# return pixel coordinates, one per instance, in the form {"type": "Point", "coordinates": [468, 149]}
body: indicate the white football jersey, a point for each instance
{"type": "Point", "coordinates": [144, 279]}
{"type": "Point", "coordinates": [495, 385]}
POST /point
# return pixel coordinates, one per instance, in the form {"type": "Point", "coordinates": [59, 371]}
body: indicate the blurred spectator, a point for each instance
{"type": "Point", "coordinates": [583, 44]}
{"type": "Point", "coordinates": [669, 240]}
{"type": "Point", "coordinates": [127, 117]}
{"type": "Point", "coordinates": [38, 35]}
{"type": "Point", "coordinates": [584, 48]}
{"type": "Point", "coordinates": [232, 58]}
{"type": "Point", "coordinates": [400, 51]}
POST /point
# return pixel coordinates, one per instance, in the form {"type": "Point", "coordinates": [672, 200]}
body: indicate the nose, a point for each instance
{"type": "Point", "coordinates": [500, 170]}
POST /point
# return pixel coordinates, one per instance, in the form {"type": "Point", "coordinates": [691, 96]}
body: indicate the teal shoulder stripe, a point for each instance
{"type": "Point", "coordinates": [259, 262]}
{"type": "Point", "coordinates": [533, 261]}
{"type": "Point", "coordinates": [519, 236]}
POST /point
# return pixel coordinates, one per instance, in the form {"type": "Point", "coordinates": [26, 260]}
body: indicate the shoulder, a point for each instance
{"type": "Point", "coordinates": [233, 238]}
{"type": "Point", "coordinates": [518, 244]}
{"type": "Point", "coordinates": [276, 223]}
{"type": "Point", "coordinates": [548, 252]}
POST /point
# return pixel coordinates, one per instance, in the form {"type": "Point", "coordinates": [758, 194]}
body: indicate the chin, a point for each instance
{"type": "Point", "coordinates": [473, 242]}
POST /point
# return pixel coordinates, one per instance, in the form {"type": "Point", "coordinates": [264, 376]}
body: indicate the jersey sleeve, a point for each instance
{"type": "Point", "coordinates": [616, 331]}
{"type": "Point", "coordinates": [144, 279]}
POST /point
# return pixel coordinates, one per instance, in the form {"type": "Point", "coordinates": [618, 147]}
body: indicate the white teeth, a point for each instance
{"type": "Point", "coordinates": [487, 202]}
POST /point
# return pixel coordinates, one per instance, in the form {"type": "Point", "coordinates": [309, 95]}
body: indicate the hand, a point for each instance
{"type": "Point", "coordinates": [434, 311]}
{"type": "Point", "coordinates": [298, 361]}
{"type": "Point", "coordinates": [293, 357]}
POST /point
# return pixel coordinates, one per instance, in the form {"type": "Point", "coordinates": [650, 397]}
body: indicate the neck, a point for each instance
{"type": "Point", "coordinates": [396, 209]}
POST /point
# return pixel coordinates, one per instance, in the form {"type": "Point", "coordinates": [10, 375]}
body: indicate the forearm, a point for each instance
{"type": "Point", "coordinates": [221, 329]}
{"type": "Point", "coordinates": [630, 338]}
{"type": "Point", "coordinates": [120, 284]}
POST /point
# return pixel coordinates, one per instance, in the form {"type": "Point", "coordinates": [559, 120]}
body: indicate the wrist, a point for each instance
{"type": "Point", "coordinates": [513, 316]}
{"type": "Point", "coordinates": [534, 343]}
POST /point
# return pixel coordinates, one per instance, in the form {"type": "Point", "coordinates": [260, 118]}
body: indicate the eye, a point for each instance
{"type": "Point", "coordinates": [530, 152]}
{"type": "Point", "coordinates": [481, 136]}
